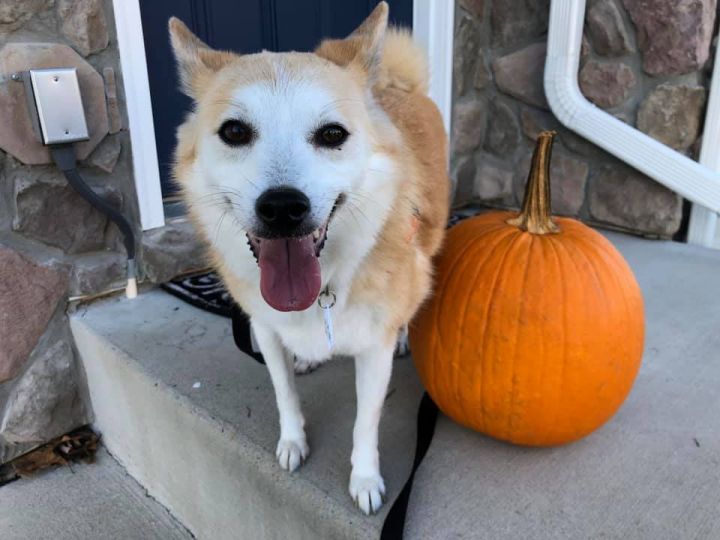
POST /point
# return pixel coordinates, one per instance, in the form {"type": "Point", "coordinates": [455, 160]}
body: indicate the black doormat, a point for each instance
{"type": "Point", "coordinates": [204, 290]}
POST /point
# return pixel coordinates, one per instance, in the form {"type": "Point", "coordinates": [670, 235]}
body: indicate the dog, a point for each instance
{"type": "Point", "coordinates": [319, 182]}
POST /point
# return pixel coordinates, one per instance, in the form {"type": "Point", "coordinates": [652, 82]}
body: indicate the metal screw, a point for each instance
{"type": "Point", "coordinates": [16, 77]}
{"type": "Point", "coordinates": [67, 132]}
{"type": "Point", "coordinates": [55, 78]}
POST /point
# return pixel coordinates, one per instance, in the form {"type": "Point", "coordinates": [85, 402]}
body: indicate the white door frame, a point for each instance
{"type": "Point", "coordinates": [433, 27]}
{"type": "Point", "coordinates": [433, 30]}
{"type": "Point", "coordinates": [139, 110]}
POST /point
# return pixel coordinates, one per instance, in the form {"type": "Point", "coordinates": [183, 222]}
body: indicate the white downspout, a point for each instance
{"type": "Point", "coordinates": [703, 221]}
{"type": "Point", "coordinates": [692, 180]}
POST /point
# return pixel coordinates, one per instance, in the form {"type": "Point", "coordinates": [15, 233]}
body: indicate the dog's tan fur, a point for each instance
{"type": "Point", "coordinates": [395, 276]}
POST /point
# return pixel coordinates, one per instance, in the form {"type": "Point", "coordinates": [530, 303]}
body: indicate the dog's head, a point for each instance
{"type": "Point", "coordinates": [278, 141]}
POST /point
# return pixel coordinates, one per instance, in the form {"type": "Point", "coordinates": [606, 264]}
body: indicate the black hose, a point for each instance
{"type": "Point", "coordinates": [64, 157]}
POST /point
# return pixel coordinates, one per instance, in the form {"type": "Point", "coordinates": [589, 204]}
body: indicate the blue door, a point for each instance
{"type": "Point", "coordinates": [245, 26]}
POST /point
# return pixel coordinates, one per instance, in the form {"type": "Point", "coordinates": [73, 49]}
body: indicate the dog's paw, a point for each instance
{"type": "Point", "coordinates": [291, 453]}
{"type": "Point", "coordinates": [306, 366]}
{"type": "Point", "coordinates": [367, 492]}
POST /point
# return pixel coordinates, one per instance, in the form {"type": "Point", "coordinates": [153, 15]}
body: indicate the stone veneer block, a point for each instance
{"type": "Point", "coordinates": [503, 132]}
{"type": "Point", "coordinates": [29, 295]}
{"type": "Point", "coordinates": [46, 401]}
{"type": "Point", "coordinates": [493, 184]}
{"type": "Point", "coordinates": [172, 250]}
{"type": "Point", "coordinates": [97, 272]}
{"type": "Point", "coordinates": [476, 7]}
{"type": "Point", "coordinates": [520, 74]}
{"type": "Point", "coordinates": [483, 77]}
{"type": "Point", "coordinates": [534, 122]}
{"type": "Point", "coordinates": [468, 128]}
{"type": "Point", "coordinates": [607, 84]}
{"type": "Point", "coordinates": [607, 30]}
{"type": "Point", "coordinates": [465, 55]}
{"type": "Point", "coordinates": [17, 135]}
{"type": "Point", "coordinates": [83, 23]}
{"type": "Point", "coordinates": [463, 178]}
{"type": "Point", "coordinates": [57, 215]}
{"type": "Point", "coordinates": [514, 21]}
{"type": "Point", "coordinates": [673, 35]}
{"type": "Point", "coordinates": [15, 13]}
{"type": "Point", "coordinates": [672, 114]}
{"type": "Point", "coordinates": [112, 100]}
{"type": "Point", "coordinates": [625, 198]}
{"type": "Point", "coordinates": [106, 156]}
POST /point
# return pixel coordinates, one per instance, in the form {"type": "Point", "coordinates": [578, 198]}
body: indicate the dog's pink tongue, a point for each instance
{"type": "Point", "coordinates": [289, 273]}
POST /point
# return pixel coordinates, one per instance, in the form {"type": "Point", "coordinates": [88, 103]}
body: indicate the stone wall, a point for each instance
{"type": "Point", "coordinates": [644, 61]}
{"type": "Point", "coordinates": [53, 245]}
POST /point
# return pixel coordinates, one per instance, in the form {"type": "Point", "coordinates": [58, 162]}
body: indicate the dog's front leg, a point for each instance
{"type": "Point", "coordinates": [372, 375]}
{"type": "Point", "coordinates": [292, 448]}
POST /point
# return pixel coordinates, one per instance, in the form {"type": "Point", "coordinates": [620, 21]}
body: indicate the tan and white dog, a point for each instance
{"type": "Point", "coordinates": [318, 179]}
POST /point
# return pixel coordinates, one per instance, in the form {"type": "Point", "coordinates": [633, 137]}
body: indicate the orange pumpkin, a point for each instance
{"type": "Point", "coordinates": [535, 333]}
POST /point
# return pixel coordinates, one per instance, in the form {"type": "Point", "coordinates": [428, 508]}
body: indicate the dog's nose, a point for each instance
{"type": "Point", "coordinates": [282, 209]}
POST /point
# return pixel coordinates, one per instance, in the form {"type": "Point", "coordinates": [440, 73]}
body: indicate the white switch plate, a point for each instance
{"type": "Point", "coordinates": [59, 105]}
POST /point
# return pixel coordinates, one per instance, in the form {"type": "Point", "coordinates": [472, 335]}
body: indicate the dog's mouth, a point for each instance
{"type": "Point", "coordinates": [290, 275]}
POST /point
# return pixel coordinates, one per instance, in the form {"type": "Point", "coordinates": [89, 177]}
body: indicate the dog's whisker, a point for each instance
{"type": "Point", "coordinates": [353, 203]}
{"type": "Point", "coordinates": [231, 189]}
{"type": "Point", "coordinates": [365, 196]}
{"type": "Point", "coordinates": [218, 226]}
{"type": "Point", "coordinates": [352, 208]}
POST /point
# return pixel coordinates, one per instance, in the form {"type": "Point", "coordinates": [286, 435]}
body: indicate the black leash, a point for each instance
{"type": "Point", "coordinates": [242, 334]}
{"type": "Point", "coordinates": [426, 420]}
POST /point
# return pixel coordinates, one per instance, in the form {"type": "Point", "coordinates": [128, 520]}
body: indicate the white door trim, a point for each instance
{"type": "Point", "coordinates": [433, 26]}
{"type": "Point", "coordinates": [433, 29]}
{"type": "Point", "coordinates": [139, 110]}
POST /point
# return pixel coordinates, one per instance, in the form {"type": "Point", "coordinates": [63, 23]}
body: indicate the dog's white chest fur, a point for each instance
{"type": "Point", "coordinates": [354, 328]}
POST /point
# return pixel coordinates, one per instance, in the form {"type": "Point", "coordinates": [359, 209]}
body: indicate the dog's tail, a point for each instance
{"type": "Point", "coordinates": [403, 64]}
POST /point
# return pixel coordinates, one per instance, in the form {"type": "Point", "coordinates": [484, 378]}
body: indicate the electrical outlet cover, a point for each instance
{"type": "Point", "coordinates": [17, 135]}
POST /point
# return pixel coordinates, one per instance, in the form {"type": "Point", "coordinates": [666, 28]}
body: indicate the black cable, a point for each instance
{"type": "Point", "coordinates": [64, 157]}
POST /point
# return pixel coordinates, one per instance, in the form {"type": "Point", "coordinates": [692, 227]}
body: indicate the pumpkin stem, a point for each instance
{"type": "Point", "coordinates": [535, 215]}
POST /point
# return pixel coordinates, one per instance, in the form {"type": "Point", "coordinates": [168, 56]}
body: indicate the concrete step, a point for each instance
{"type": "Point", "coordinates": [207, 451]}
{"type": "Point", "coordinates": [99, 501]}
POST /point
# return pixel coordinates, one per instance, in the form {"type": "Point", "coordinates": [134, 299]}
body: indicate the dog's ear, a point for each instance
{"type": "Point", "coordinates": [196, 61]}
{"type": "Point", "coordinates": [362, 48]}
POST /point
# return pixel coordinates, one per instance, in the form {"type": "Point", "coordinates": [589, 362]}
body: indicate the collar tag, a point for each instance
{"type": "Point", "coordinates": [326, 301]}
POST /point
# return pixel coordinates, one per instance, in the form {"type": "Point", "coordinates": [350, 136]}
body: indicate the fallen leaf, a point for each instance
{"type": "Point", "coordinates": [77, 445]}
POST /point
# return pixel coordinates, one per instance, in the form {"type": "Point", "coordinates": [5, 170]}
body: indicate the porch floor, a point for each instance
{"type": "Point", "coordinates": [98, 502]}
{"type": "Point", "coordinates": [207, 451]}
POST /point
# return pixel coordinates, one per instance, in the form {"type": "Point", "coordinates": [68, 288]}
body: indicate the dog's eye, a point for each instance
{"type": "Point", "coordinates": [236, 133]}
{"type": "Point", "coordinates": [330, 136]}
